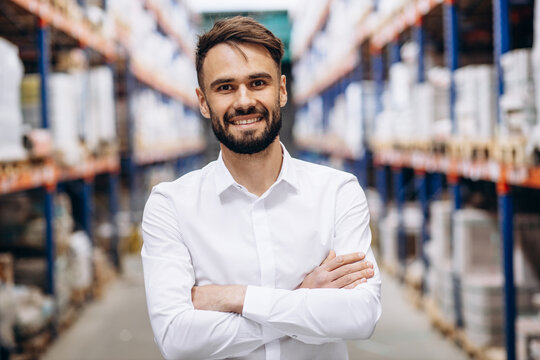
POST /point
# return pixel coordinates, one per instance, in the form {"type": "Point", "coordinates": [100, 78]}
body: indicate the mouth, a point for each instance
{"type": "Point", "coordinates": [246, 121]}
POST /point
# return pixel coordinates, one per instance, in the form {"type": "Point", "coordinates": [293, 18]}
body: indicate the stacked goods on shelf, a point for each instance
{"type": "Point", "coordinates": [477, 262]}
{"type": "Point", "coordinates": [344, 126]}
{"type": "Point", "coordinates": [476, 245]}
{"type": "Point", "coordinates": [438, 251]}
{"type": "Point", "coordinates": [81, 108]}
{"type": "Point", "coordinates": [308, 122]}
{"type": "Point", "coordinates": [435, 107]}
{"type": "Point", "coordinates": [414, 112]}
{"type": "Point", "coordinates": [7, 304]}
{"type": "Point", "coordinates": [388, 233]}
{"type": "Point", "coordinates": [517, 103]}
{"type": "Point", "coordinates": [536, 69]}
{"type": "Point", "coordinates": [339, 128]}
{"type": "Point", "coordinates": [64, 104]}
{"type": "Point", "coordinates": [159, 125]}
{"type": "Point", "coordinates": [22, 230]}
{"type": "Point", "coordinates": [152, 50]}
{"type": "Point", "coordinates": [11, 72]}
{"type": "Point", "coordinates": [528, 333]}
{"type": "Point", "coordinates": [304, 26]}
{"type": "Point", "coordinates": [476, 106]}
{"type": "Point", "coordinates": [102, 108]}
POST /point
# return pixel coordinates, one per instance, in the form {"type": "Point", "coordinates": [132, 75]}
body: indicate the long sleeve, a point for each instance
{"type": "Point", "coordinates": [317, 316]}
{"type": "Point", "coordinates": [180, 331]}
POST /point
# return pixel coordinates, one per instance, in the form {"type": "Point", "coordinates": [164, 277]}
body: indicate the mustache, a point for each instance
{"type": "Point", "coordinates": [249, 111]}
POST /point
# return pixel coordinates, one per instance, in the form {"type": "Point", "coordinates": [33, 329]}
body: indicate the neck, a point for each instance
{"type": "Point", "coordinates": [256, 172]}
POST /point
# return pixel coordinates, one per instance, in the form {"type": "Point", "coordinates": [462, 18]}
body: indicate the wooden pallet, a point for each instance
{"type": "Point", "coordinates": [511, 151]}
{"type": "Point", "coordinates": [437, 320]}
{"type": "Point", "coordinates": [34, 347]}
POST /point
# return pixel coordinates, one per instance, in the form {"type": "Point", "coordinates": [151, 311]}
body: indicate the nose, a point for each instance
{"type": "Point", "coordinates": [244, 98]}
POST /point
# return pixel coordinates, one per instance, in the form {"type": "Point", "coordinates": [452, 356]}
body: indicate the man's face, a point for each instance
{"type": "Point", "coordinates": [242, 96]}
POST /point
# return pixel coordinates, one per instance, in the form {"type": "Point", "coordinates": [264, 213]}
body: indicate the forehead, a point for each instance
{"type": "Point", "coordinates": [237, 61]}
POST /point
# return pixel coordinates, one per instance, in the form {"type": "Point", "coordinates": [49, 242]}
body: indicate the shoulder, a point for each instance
{"type": "Point", "coordinates": [322, 174]}
{"type": "Point", "coordinates": [186, 184]}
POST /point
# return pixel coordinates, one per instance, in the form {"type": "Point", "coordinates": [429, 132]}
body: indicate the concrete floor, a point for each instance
{"type": "Point", "coordinates": [116, 328]}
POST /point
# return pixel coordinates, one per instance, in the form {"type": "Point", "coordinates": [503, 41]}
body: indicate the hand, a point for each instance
{"type": "Point", "coordinates": [224, 298]}
{"type": "Point", "coordinates": [341, 272]}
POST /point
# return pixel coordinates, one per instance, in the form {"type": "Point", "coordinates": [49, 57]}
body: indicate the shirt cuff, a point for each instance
{"type": "Point", "coordinates": [258, 304]}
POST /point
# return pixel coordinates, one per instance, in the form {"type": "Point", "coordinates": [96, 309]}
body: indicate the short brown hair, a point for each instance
{"type": "Point", "coordinates": [238, 29]}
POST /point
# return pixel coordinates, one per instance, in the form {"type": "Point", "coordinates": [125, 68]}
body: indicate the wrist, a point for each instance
{"type": "Point", "coordinates": [235, 298]}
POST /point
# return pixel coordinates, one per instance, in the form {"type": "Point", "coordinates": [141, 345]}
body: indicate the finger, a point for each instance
{"type": "Point", "coordinates": [352, 278]}
{"type": "Point", "coordinates": [350, 268]}
{"type": "Point", "coordinates": [355, 284]}
{"type": "Point", "coordinates": [331, 255]}
{"type": "Point", "coordinates": [341, 260]}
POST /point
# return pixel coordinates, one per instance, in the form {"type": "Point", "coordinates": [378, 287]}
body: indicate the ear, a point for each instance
{"type": "Point", "coordinates": [283, 91]}
{"type": "Point", "coordinates": [203, 105]}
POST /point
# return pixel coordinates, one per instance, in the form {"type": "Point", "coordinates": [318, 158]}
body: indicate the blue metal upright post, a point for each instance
{"type": "Point", "coordinates": [399, 194]}
{"type": "Point", "coordinates": [394, 52]}
{"type": "Point", "coordinates": [419, 39]}
{"type": "Point", "coordinates": [501, 46]}
{"type": "Point", "coordinates": [43, 63]}
{"type": "Point", "coordinates": [49, 237]}
{"type": "Point", "coordinates": [421, 180]}
{"type": "Point", "coordinates": [380, 178]}
{"type": "Point", "coordinates": [451, 50]}
{"type": "Point", "coordinates": [506, 212]}
{"type": "Point", "coordinates": [377, 64]}
{"type": "Point", "coordinates": [113, 210]}
{"type": "Point", "coordinates": [87, 205]}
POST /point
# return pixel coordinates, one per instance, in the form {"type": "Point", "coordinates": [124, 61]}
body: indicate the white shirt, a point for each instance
{"type": "Point", "coordinates": [204, 228]}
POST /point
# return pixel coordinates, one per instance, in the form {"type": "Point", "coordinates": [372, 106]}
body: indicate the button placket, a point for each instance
{"type": "Point", "coordinates": [265, 252]}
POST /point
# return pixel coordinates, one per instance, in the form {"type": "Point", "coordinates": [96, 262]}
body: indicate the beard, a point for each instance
{"type": "Point", "coordinates": [248, 142]}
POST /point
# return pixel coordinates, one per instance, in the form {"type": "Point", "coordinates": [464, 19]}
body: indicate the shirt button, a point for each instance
{"type": "Point", "coordinates": [295, 336]}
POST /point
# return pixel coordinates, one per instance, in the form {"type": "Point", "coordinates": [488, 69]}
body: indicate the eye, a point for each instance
{"type": "Point", "coordinates": [258, 83]}
{"type": "Point", "coordinates": [224, 87]}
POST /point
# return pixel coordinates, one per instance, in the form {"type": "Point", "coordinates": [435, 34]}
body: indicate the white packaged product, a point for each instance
{"type": "Point", "coordinates": [518, 109]}
{"type": "Point", "coordinates": [102, 109]}
{"type": "Point", "coordinates": [439, 246]}
{"type": "Point", "coordinates": [476, 109]}
{"type": "Point", "coordinates": [63, 111]}
{"type": "Point", "coordinates": [476, 243]}
{"type": "Point", "coordinates": [11, 121]}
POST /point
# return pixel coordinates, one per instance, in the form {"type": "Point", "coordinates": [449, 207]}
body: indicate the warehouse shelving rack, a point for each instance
{"type": "Point", "coordinates": [47, 174]}
{"type": "Point", "coordinates": [433, 166]}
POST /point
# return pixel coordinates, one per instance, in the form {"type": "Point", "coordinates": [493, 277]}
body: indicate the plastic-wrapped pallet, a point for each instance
{"type": "Point", "coordinates": [388, 227]}
{"type": "Point", "coordinates": [476, 247]}
{"type": "Point", "coordinates": [533, 142]}
{"type": "Point", "coordinates": [526, 249]}
{"type": "Point", "coordinates": [483, 307]}
{"type": "Point", "coordinates": [528, 332]}
{"type": "Point", "coordinates": [34, 311]}
{"type": "Point", "coordinates": [102, 109]}
{"type": "Point", "coordinates": [7, 316]}
{"type": "Point", "coordinates": [11, 72]}
{"type": "Point", "coordinates": [443, 291]}
{"type": "Point", "coordinates": [517, 103]}
{"type": "Point", "coordinates": [438, 248]}
{"type": "Point", "coordinates": [439, 79]}
{"type": "Point", "coordinates": [31, 101]}
{"type": "Point", "coordinates": [64, 106]}
{"type": "Point", "coordinates": [476, 109]}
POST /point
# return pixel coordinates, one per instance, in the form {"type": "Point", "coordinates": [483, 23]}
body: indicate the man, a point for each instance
{"type": "Point", "coordinates": [240, 256]}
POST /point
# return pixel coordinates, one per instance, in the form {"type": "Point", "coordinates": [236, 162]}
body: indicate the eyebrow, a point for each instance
{"type": "Point", "coordinates": [260, 75]}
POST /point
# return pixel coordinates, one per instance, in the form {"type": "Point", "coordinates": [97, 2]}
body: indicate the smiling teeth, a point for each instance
{"type": "Point", "coordinates": [248, 121]}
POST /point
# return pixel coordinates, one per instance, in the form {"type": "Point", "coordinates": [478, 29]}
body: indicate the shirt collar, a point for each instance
{"type": "Point", "coordinates": [224, 179]}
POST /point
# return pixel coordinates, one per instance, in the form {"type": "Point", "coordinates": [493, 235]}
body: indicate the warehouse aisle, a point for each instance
{"type": "Point", "coordinates": [116, 328]}
{"type": "Point", "coordinates": [403, 332]}
{"type": "Point", "coordinates": [113, 328]}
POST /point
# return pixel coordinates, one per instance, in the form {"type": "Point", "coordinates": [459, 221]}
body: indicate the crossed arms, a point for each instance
{"type": "Point", "coordinates": [333, 303]}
